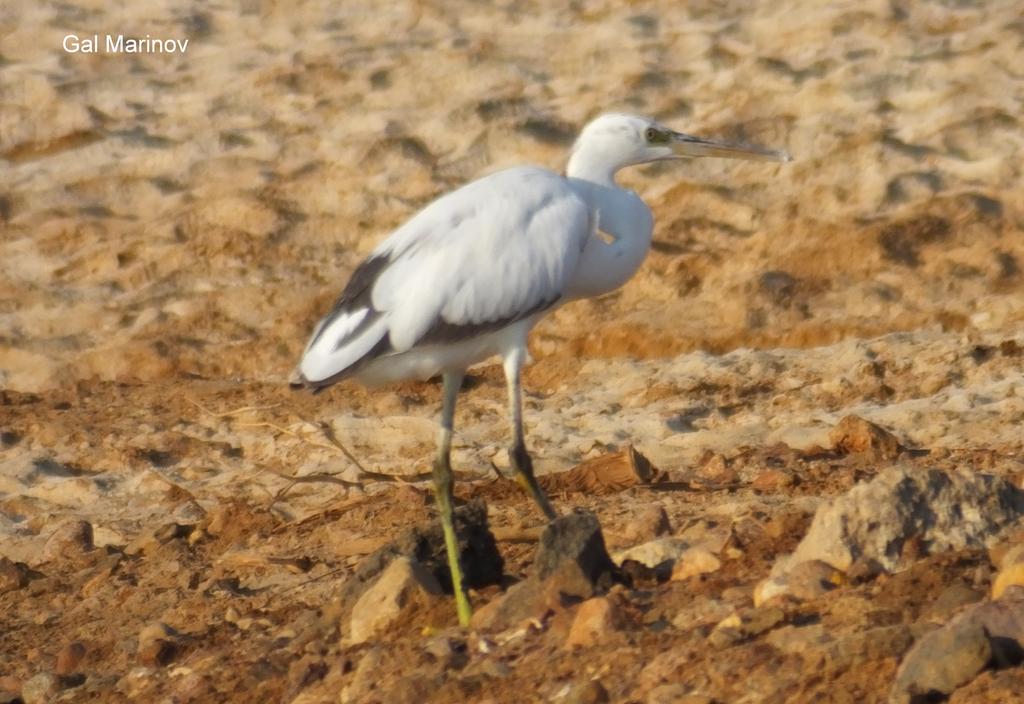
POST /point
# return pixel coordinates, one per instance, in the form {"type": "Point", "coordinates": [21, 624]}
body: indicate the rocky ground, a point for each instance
{"type": "Point", "coordinates": [797, 427]}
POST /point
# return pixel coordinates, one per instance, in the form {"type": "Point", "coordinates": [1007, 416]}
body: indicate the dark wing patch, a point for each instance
{"type": "Point", "coordinates": [382, 347]}
{"type": "Point", "coordinates": [357, 294]}
{"type": "Point", "coordinates": [442, 332]}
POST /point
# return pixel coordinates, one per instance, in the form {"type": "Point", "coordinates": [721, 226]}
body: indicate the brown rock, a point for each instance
{"type": "Point", "coordinates": [710, 534]}
{"type": "Point", "coordinates": [805, 580]}
{"type": "Point", "coordinates": [695, 561]}
{"type": "Point", "coordinates": [404, 584]}
{"type": "Point", "coordinates": [787, 523]}
{"type": "Point", "coordinates": [40, 689]}
{"type": "Point", "coordinates": [649, 524]}
{"type": "Point", "coordinates": [69, 541]}
{"type": "Point", "coordinates": [485, 617]}
{"type": "Point", "coordinates": [659, 554]}
{"type": "Point", "coordinates": [1012, 575]}
{"type": "Point", "coordinates": [811, 579]}
{"type": "Point", "coordinates": [666, 694]}
{"type": "Point", "coordinates": [873, 644]}
{"type": "Point", "coordinates": [950, 600]}
{"type": "Point", "coordinates": [864, 569]}
{"type": "Point", "coordinates": [478, 553]}
{"type": "Point", "coordinates": [772, 480]}
{"type": "Point", "coordinates": [365, 678]}
{"type": "Point", "coordinates": [1007, 552]}
{"type": "Point", "coordinates": [589, 692]}
{"type": "Point", "coordinates": [533, 598]}
{"type": "Point", "coordinates": [595, 620]}
{"type": "Point", "coordinates": [13, 575]}
{"type": "Point", "coordinates": [304, 672]}
{"type": "Point", "coordinates": [158, 645]}
{"type": "Point", "coordinates": [10, 685]}
{"type": "Point", "coordinates": [854, 435]}
{"type": "Point", "coordinates": [69, 658]}
{"type": "Point", "coordinates": [716, 469]}
{"type": "Point", "coordinates": [744, 624]}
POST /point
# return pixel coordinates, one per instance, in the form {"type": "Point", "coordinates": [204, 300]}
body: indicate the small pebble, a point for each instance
{"type": "Point", "coordinates": [772, 480]}
{"type": "Point", "coordinates": [595, 621]}
{"type": "Point", "coordinates": [69, 658]}
{"type": "Point", "coordinates": [589, 692]}
{"type": "Point", "coordinates": [158, 645]}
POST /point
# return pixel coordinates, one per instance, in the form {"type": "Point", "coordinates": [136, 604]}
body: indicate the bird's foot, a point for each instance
{"type": "Point", "coordinates": [523, 466]}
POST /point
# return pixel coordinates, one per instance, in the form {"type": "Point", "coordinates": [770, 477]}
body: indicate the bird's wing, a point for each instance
{"type": "Point", "coordinates": [493, 252]}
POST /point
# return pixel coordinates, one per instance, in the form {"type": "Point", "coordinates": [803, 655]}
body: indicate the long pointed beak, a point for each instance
{"type": "Point", "coordinates": [684, 145]}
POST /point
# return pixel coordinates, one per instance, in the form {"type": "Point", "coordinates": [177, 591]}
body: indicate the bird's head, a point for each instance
{"type": "Point", "coordinates": [614, 140]}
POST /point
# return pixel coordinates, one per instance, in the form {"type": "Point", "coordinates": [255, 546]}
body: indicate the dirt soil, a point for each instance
{"type": "Point", "coordinates": [172, 225]}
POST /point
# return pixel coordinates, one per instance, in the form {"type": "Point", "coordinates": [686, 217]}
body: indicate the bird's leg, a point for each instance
{"type": "Point", "coordinates": [522, 465]}
{"type": "Point", "coordinates": [443, 492]}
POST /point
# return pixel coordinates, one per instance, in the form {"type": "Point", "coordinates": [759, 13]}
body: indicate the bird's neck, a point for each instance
{"type": "Point", "coordinates": [592, 165]}
{"type": "Point", "coordinates": [620, 216]}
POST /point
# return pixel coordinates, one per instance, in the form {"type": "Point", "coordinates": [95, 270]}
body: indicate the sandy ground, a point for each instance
{"type": "Point", "coordinates": [172, 225]}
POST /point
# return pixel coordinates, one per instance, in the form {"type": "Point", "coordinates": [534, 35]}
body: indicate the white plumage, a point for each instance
{"type": "Point", "coordinates": [495, 250]}
{"type": "Point", "coordinates": [492, 251]}
{"type": "Point", "coordinates": [468, 277]}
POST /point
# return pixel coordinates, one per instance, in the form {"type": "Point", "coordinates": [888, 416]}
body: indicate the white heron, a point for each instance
{"type": "Point", "coordinates": [469, 276]}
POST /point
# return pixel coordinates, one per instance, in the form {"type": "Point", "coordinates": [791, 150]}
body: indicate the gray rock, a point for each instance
{"type": "Point", "coordinates": [873, 644]}
{"type": "Point", "coordinates": [938, 510]}
{"type": "Point", "coordinates": [572, 564]}
{"type": "Point", "coordinates": [942, 660]}
{"type": "Point", "coordinates": [575, 544]}
{"type": "Point", "coordinates": [844, 650]}
{"type": "Point", "coordinates": [801, 640]}
{"type": "Point", "coordinates": [1003, 620]}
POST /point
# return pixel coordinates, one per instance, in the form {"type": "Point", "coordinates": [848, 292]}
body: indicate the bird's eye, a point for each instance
{"type": "Point", "coordinates": [651, 134]}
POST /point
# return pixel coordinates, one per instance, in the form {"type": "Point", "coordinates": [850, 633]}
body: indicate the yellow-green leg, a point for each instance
{"type": "Point", "coordinates": [522, 465]}
{"type": "Point", "coordinates": [443, 492]}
